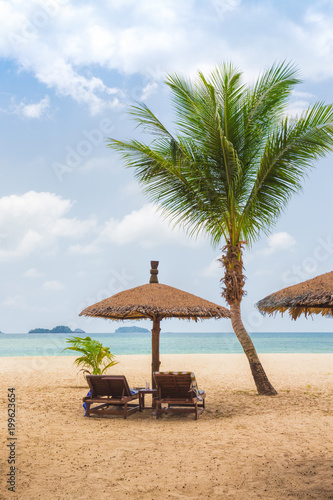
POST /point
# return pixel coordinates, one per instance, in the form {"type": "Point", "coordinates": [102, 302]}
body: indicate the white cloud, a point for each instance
{"type": "Point", "coordinates": [310, 40]}
{"type": "Point", "coordinates": [67, 82]}
{"type": "Point", "coordinates": [297, 108]}
{"type": "Point", "coordinates": [147, 228]}
{"type": "Point", "coordinates": [299, 103]}
{"type": "Point", "coordinates": [15, 301]}
{"type": "Point", "coordinates": [33, 273]}
{"type": "Point", "coordinates": [37, 222]}
{"type": "Point", "coordinates": [90, 249]}
{"type": "Point", "coordinates": [131, 190]}
{"type": "Point", "coordinates": [278, 242]}
{"type": "Point", "coordinates": [302, 95]}
{"type": "Point", "coordinates": [320, 24]}
{"type": "Point", "coordinates": [59, 42]}
{"type": "Point", "coordinates": [53, 285]}
{"type": "Point", "coordinates": [223, 7]}
{"type": "Point", "coordinates": [34, 222]}
{"type": "Point", "coordinates": [58, 45]}
{"type": "Point", "coordinates": [213, 269]}
{"type": "Point", "coordinates": [148, 90]}
{"type": "Point", "coordinates": [94, 164]}
{"type": "Point", "coordinates": [72, 228]}
{"type": "Point", "coordinates": [35, 110]}
{"type": "Point", "coordinates": [30, 111]}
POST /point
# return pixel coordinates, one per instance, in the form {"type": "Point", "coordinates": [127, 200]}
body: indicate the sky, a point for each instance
{"type": "Point", "coordinates": [75, 227]}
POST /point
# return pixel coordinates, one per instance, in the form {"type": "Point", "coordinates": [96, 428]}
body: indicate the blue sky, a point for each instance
{"type": "Point", "coordinates": [74, 225]}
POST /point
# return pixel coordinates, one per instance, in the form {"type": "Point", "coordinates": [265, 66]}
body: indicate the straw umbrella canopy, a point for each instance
{"type": "Point", "coordinates": [314, 296]}
{"type": "Point", "coordinates": [155, 301]}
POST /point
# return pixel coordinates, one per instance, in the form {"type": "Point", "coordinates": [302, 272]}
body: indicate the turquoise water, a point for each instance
{"type": "Point", "coordinates": [170, 343]}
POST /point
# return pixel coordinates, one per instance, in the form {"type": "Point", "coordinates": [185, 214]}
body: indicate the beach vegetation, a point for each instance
{"type": "Point", "coordinates": [229, 166]}
{"type": "Point", "coordinates": [95, 358]}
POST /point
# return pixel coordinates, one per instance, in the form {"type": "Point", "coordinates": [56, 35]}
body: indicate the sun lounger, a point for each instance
{"type": "Point", "coordinates": [179, 391]}
{"type": "Point", "coordinates": [112, 395]}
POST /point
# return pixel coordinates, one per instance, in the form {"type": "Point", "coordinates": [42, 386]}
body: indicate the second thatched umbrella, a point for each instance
{"type": "Point", "coordinates": [155, 301]}
{"type": "Point", "coordinates": [314, 296]}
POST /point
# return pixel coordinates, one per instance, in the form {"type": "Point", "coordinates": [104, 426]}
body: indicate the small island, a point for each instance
{"type": "Point", "coordinates": [131, 329]}
{"type": "Point", "coordinates": [57, 329]}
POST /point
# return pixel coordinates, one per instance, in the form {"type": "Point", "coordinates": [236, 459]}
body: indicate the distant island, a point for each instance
{"type": "Point", "coordinates": [57, 329]}
{"type": "Point", "coordinates": [131, 329]}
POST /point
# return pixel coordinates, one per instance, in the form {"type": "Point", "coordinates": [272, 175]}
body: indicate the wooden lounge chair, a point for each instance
{"type": "Point", "coordinates": [179, 391]}
{"type": "Point", "coordinates": [112, 395]}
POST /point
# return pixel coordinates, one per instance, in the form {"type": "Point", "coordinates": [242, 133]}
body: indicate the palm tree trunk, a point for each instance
{"type": "Point", "coordinates": [264, 386]}
{"type": "Point", "coordinates": [233, 291]}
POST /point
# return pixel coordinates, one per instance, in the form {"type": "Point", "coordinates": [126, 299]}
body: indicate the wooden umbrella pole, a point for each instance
{"type": "Point", "coordinates": [155, 349]}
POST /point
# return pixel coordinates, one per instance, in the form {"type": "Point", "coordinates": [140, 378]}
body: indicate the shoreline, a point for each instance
{"type": "Point", "coordinates": [272, 353]}
{"type": "Point", "coordinates": [243, 446]}
{"type": "Point", "coordinates": [278, 366]}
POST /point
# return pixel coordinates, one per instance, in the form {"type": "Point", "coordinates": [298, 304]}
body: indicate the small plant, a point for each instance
{"type": "Point", "coordinates": [95, 359]}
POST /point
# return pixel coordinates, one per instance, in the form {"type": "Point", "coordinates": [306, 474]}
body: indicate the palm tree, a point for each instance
{"type": "Point", "coordinates": [95, 359]}
{"type": "Point", "coordinates": [231, 165]}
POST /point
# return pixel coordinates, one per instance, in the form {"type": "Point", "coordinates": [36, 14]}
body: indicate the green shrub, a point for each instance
{"type": "Point", "coordinates": [95, 359]}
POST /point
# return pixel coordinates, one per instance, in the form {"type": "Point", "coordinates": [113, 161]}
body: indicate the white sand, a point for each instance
{"type": "Point", "coordinates": [243, 447]}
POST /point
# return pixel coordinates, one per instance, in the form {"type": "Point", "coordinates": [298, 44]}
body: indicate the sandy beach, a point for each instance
{"type": "Point", "coordinates": [243, 446]}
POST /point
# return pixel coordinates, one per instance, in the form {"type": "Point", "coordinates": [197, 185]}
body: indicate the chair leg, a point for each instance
{"type": "Point", "coordinates": [156, 409]}
{"type": "Point", "coordinates": [125, 410]}
{"type": "Point", "coordinates": [196, 411]}
{"type": "Point", "coordinates": [88, 409]}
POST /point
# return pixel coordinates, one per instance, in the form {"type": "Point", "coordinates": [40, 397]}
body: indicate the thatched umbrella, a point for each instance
{"type": "Point", "coordinates": [155, 301]}
{"type": "Point", "coordinates": [314, 296]}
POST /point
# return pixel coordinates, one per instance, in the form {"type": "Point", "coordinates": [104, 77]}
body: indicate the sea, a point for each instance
{"type": "Point", "coordinates": [50, 344]}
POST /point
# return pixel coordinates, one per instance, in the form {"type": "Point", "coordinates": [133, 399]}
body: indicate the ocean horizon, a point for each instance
{"type": "Point", "coordinates": [49, 344]}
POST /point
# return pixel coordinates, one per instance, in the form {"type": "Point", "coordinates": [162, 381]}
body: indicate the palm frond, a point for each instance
{"type": "Point", "coordinates": [289, 154]}
{"type": "Point", "coordinates": [234, 160]}
{"type": "Point", "coordinates": [147, 121]}
{"type": "Point", "coordinates": [95, 356]}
